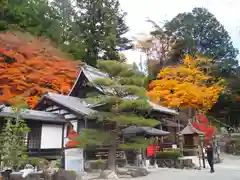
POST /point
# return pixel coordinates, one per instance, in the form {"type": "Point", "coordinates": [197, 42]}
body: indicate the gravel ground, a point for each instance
{"type": "Point", "coordinates": [229, 169]}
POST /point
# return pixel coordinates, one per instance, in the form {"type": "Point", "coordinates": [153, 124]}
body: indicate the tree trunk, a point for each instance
{"type": "Point", "coordinates": [112, 155]}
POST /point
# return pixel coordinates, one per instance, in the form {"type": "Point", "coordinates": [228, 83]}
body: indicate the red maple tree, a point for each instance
{"type": "Point", "coordinates": [204, 126]}
{"type": "Point", "coordinates": [72, 143]}
{"type": "Point", "coordinates": [31, 66]}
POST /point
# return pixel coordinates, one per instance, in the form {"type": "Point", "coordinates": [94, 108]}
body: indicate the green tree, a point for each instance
{"type": "Point", "coordinates": [102, 25]}
{"type": "Point", "coordinates": [118, 110]}
{"type": "Point", "coordinates": [227, 108]}
{"type": "Point", "coordinates": [65, 15]}
{"type": "Point", "coordinates": [70, 37]}
{"type": "Point", "coordinates": [115, 28]}
{"type": "Point", "coordinates": [12, 141]}
{"type": "Point", "coordinates": [200, 31]}
{"type": "Point", "coordinates": [86, 29]}
{"type": "Point", "coordinates": [34, 16]}
{"type": "Point", "coordinates": [54, 20]}
{"type": "Point", "coordinates": [10, 13]}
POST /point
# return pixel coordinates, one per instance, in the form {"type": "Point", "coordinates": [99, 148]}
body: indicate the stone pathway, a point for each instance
{"type": "Point", "coordinates": [168, 174]}
{"type": "Point", "coordinates": [228, 169]}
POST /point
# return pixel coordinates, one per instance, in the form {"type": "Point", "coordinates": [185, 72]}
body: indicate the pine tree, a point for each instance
{"type": "Point", "coordinates": [65, 14]}
{"type": "Point", "coordinates": [124, 103]}
{"type": "Point", "coordinates": [70, 38]}
{"type": "Point", "coordinates": [102, 25]}
{"type": "Point", "coordinates": [115, 28]}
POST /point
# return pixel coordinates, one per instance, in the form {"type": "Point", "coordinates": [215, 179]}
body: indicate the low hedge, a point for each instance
{"type": "Point", "coordinates": [168, 155]}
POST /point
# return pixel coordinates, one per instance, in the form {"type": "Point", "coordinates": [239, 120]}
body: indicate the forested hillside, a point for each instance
{"type": "Point", "coordinates": [31, 66]}
{"type": "Point", "coordinates": [86, 29]}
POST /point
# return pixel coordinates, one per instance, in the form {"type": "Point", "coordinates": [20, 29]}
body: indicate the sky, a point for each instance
{"type": "Point", "coordinates": [226, 11]}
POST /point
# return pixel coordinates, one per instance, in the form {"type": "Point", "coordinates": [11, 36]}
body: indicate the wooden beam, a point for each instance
{"type": "Point", "coordinates": [44, 105]}
{"type": "Point", "coordinates": [67, 110]}
{"type": "Point", "coordinates": [66, 113]}
{"type": "Point", "coordinates": [71, 119]}
{"type": "Point", "coordinates": [55, 109]}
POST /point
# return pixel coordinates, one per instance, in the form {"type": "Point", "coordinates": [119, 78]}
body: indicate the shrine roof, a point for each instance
{"type": "Point", "coordinates": [189, 129]}
{"type": "Point", "coordinates": [92, 73]}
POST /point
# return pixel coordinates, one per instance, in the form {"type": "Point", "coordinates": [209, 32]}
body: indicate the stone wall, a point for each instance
{"type": "Point", "coordinates": [176, 163]}
{"type": "Point", "coordinates": [59, 175]}
{"type": "Point", "coordinates": [95, 164]}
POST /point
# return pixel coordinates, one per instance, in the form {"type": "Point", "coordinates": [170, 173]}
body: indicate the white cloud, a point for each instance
{"type": "Point", "coordinates": [226, 11]}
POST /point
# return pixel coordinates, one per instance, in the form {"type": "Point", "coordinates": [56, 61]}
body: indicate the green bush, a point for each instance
{"type": "Point", "coordinates": [100, 161]}
{"type": "Point", "coordinates": [59, 163]}
{"type": "Point", "coordinates": [168, 155]}
{"type": "Point", "coordinates": [74, 172]}
{"type": "Point", "coordinates": [98, 164]}
{"type": "Point", "coordinates": [32, 160]}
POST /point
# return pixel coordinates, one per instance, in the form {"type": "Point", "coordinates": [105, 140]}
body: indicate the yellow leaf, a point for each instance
{"type": "Point", "coordinates": [190, 85]}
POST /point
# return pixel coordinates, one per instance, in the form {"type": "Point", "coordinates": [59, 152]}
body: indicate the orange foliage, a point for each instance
{"type": "Point", "coordinates": [186, 86]}
{"type": "Point", "coordinates": [30, 66]}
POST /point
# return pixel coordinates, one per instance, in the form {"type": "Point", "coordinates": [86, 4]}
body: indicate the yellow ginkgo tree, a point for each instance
{"type": "Point", "coordinates": [187, 85]}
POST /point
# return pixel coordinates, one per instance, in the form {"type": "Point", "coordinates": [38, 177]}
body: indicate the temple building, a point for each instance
{"type": "Point", "coordinates": [76, 111]}
{"type": "Point", "coordinates": [58, 118]}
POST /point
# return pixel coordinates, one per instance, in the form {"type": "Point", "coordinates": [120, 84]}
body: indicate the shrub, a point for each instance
{"type": "Point", "coordinates": [33, 161]}
{"type": "Point", "coordinates": [168, 155]}
{"type": "Point", "coordinates": [74, 172]}
{"type": "Point", "coordinates": [100, 161]}
{"type": "Point", "coordinates": [59, 163]}
{"type": "Point", "coordinates": [98, 164]}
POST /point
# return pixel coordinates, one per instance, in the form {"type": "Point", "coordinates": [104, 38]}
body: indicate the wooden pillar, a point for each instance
{"type": "Point", "coordinates": [63, 149]}
{"type": "Point", "coordinates": [201, 146]}
{"type": "Point", "coordinates": [181, 143]}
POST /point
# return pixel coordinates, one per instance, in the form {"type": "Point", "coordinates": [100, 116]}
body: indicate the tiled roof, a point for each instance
{"type": "Point", "coordinates": [133, 130]}
{"type": "Point", "coordinates": [75, 104]}
{"type": "Point", "coordinates": [189, 129]}
{"type": "Point", "coordinates": [28, 114]}
{"type": "Point", "coordinates": [92, 73]}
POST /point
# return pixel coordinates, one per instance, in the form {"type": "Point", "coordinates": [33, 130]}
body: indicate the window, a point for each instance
{"type": "Point", "coordinates": [69, 128]}
{"type": "Point", "coordinates": [34, 136]}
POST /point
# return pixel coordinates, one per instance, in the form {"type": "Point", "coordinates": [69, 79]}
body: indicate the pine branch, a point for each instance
{"type": "Point", "coordinates": [125, 119]}
{"type": "Point", "coordinates": [126, 90]}
{"type": "Point", "coordinates": [104, 100]}
{"type": "Point", "coordinates": [104, 82]}
{"type": "Point", "coordinates": [115, 68]}
{"type": "Point", "coordinates": [137, 142]}
{"type": "Point", "coordinates": [137, 81]}
{"type": "Point", "coordinates": [138, 104]}
{"type": "Point", "coordinates": [93, 137]}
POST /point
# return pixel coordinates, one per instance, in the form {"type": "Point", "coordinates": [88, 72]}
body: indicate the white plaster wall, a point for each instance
{"type": "Point", "coordinates": [68, 116]}
{"type": "Point", "coordinates": [51, 136]}
{"type": "Point", "coordinates": [74, 123]}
